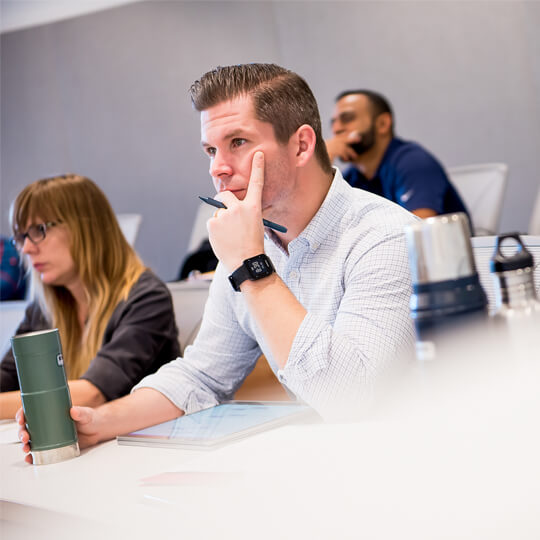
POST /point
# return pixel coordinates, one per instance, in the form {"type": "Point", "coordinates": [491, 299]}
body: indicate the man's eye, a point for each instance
{"type": "Point", "coordinates": [211, 152]}
{"type": "Point", "coordinates": [238, 142]}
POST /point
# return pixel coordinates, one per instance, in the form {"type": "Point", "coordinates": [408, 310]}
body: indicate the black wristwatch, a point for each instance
{"type": "Point", "coordinates": [254, 268]}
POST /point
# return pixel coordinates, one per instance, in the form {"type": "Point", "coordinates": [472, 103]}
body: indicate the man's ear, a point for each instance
{"type": "Point", "coordinates": [383, 123]}
{"type": "Point", "coordinates": [304, 140]}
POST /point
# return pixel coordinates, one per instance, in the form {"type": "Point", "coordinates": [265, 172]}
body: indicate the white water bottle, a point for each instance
{"type": "Point", "coordinates": [517, 309]}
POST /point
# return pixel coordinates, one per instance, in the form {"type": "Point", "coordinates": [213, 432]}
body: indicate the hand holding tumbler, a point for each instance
{"type": "Point", "coordinates": [45, 396]}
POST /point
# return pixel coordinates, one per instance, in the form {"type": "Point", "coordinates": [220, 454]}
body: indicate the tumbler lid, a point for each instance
{"type": "Point", "coordinates": [522, 258]}
{"type": "Point", "coordinates": [440, 249]}
{"type": "Point", "coordinates": [36, 343]}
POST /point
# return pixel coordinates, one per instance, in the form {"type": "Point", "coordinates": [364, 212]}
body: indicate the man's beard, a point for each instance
{"type": "Point", "coordinates": [366, 142]}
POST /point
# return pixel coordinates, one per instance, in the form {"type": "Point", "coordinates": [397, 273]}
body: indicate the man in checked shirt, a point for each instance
{"type": "Point", "coordinates": [332, 315]}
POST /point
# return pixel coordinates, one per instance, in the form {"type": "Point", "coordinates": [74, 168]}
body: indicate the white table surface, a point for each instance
{"type": "Point", "coordinates": [451, 450]}
{"type": "Point", "coordinates": [391, 478]}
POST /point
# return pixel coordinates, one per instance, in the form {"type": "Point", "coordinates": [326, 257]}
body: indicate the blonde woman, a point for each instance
{"type": "Point", "coordinates": [114, 316]}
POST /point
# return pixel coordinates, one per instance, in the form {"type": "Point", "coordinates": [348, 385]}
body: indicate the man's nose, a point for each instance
{"type": "Point", "coordinates": [220, 166]}
{"type": "Point", "coordinates": [337, 128]}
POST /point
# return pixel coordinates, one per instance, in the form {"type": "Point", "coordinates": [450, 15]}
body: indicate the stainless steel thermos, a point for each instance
{"type": "Point", "coordinates": [446, 288]}
{"type": "Point", "coordinates": [45, 396]}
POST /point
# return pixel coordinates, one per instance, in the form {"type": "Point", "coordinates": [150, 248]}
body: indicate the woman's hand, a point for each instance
{"type": "Point", "coordinates": [86, 423]}
{"type": "Point", "coordinates": [24, 436]}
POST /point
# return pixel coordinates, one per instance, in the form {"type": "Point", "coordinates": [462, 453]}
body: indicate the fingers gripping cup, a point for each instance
{"type": "Point", "coordinates": [45, 396]}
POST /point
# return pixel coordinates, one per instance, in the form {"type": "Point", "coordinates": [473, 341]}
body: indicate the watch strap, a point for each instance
{"type": "Point", "coordinates": [239, 276]}
{"type": "Point", "coordinates": [254, 268]}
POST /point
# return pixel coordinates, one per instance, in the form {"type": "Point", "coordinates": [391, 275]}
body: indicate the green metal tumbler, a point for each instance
{"type": "Point", "coordinates": [45, 396]}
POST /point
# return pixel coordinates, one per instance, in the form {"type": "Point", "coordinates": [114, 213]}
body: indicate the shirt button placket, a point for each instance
{"type": "Point", "coordinates": [293, 282]}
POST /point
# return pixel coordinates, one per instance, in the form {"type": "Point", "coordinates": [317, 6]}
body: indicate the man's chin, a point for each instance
{"type": "Point", "coordinates": [359, 149]}
{"type": "Point", "coordinates": [240, 194]}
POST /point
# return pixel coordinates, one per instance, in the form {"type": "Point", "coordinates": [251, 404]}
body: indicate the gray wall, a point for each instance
{"type": "Point", "coordinates": [105, 94]}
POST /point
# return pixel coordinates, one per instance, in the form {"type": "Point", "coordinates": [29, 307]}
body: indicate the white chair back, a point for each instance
{"type": "Point", "coordinates": [482, 188]}
{"type": "Point", "coordinates": [11, 315]}
{"type": "Point", "coordinates": [129, 223]}
{"type": "Point", "coordinates": [534, 224]}
{"type": "Point", "coordinates": [189, 299]}
{"type": "Point", "coordinates": [199, 231]}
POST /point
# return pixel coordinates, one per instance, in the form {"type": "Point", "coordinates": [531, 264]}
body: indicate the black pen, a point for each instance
{"type": "Point", "coordinates": [219, 204]}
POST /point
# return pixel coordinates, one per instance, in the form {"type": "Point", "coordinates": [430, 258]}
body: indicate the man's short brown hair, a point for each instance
{"type": "Point", "coordinates": [280, 97]}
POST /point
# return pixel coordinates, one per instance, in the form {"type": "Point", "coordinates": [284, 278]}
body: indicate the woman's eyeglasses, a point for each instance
{"type": "Point", "coordinates": [35, 233]}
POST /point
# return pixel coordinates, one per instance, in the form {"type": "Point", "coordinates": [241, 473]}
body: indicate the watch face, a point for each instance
{"type": "Point", "coordinates": [260, 266]}
{"type": "Point", "coordinates": [255, 268]}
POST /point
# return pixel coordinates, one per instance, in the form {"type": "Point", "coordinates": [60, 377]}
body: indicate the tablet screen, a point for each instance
{"type": "Point", "coordinates": [219, 423]}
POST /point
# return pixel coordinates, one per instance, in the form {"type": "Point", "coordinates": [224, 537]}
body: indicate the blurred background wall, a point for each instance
{"type": "Point", "coordinates": [104, 94]}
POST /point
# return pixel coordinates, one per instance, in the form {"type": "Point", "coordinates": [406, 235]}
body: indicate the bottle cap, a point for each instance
{"type": "Point", "coordinates": [522, 258]}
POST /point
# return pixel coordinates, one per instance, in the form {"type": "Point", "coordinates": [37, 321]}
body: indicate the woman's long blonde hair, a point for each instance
{"type": "Point", "coordinates": [106, 264]}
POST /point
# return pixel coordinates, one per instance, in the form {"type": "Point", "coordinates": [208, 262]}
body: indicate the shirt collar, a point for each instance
{"type": "Point", "coordinates": [329, 214]}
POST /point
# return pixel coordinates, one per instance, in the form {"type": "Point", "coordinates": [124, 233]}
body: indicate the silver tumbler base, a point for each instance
{"type": "Point", "coordinates": [46, 457]}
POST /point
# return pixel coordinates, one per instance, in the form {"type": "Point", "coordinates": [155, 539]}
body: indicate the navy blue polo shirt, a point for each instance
{"type": "Point", "coordinates": [411, 177]}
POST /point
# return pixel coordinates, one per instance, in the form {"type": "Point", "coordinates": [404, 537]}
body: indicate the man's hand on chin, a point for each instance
{"type": "Point", "coordinates": [237, 232]}
{"type": "Point", "coordinates": [339, 146]}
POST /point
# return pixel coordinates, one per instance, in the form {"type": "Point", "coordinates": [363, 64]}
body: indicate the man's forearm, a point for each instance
{"type": "Point", "coordinates": [277, 311]}
{"type": "Point", "coordinates": [138, 410]}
